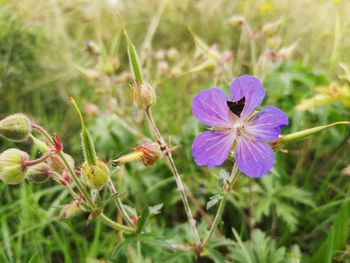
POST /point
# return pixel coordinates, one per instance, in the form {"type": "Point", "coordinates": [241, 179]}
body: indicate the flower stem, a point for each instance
{"type": "Point", "coordinates": [37, 161]}
{"type": "Point", "coordinates": [221, 207]}
{"type": "Point", "coordinates": [119, 204]}
{"type": "Point", "coordinates": [176, 174]}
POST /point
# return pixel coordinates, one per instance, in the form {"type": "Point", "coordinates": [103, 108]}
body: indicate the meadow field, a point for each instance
{"type": "Point", "coordinates": [129, 180]}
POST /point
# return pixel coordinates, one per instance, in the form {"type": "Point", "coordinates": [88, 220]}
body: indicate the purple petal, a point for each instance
{"type": "Point", "coordinates": [211, 148]}
{"type": "Point", "coordinates": [250, 88]}
{"type": "Point", "coordinates": [266, 124]}
{"type": "Point", "coordinates": [210, 108]}
{"type": "Point", "coordinates": [254, 157]}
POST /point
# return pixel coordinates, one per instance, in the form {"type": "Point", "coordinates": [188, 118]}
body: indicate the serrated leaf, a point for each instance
{"type": "Point", "coordinates": [145, 214]}
{"type": "Point", "coordinates": [213, 200]}
{"type": "Point", "coordinates": [154, 210]}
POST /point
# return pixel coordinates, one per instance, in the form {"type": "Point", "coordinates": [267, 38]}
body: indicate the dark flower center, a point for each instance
{"type": "Point", "coordinates": [236, 107]}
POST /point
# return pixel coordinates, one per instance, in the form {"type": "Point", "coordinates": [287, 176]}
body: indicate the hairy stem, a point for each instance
{"type": "Point", "coordinates": [176, 174]}
{"type": "Point", "coordinates": [37, 161]}
{"type": "Point", "coordinates": [119, 204]}
{"type": "Point", "coordinates": [221, 207]}
{"type": "Point", "coordinates": [81, 188]}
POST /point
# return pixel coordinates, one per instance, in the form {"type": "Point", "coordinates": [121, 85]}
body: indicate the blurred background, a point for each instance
{"type": "Point", "coordinates": [51, 50]}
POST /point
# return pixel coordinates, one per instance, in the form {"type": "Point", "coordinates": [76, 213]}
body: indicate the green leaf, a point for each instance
{"type": "Point", "coordinates": [213, 200]}
{"type": "Point", "coordinates": [337, 236]}
{"type": "Point", "coordinates": [86, 139]}
{"type": "Point", "coordinates": [143, 220]}
{"type": "Point", "coordinates": [155, 210]}
{"type": "Point", "coordinates": [132, 55]}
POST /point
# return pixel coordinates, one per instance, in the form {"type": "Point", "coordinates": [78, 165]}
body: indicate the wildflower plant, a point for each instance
{"type": "Point", "coordinates": [237, 126]}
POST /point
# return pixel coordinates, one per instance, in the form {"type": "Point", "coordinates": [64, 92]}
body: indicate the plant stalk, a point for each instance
{"type": "Point", "coordinates": [220, 210]}
{"type": "Point", "coordinates": [176, 174]}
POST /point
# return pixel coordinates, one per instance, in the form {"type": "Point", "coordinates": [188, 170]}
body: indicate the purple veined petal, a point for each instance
{"type": "Point", "coordinates": [210, 108]}
{"type": "Point", "coordinates": [254, 157]}
{"type": "Point", "coordinates": [267, 123]}
{"type": "Point", "coordinates": [250, 88]}
{"type": "Point", "coordinates": [211, 148]}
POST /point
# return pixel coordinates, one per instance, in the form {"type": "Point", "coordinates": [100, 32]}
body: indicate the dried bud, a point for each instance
{"type": "Point", "coordinates": [95, 176]}
{"type": "Point", "coordinates": [15, 127]}
{"type": "Point", "coordinates": [57, 164]}
{"type": "Point", "coordinates": [151, 153]}
{"type": "Point", "coordinates": [143, 95]}
{"type": "Point", "coordinates": [148, 153]}
{"type": "Point", "coordinates": [39, 173]}
{"type": "Point", "coordinates": [12, 170]}
{"type": "Point", "coordinates": [70, 210]}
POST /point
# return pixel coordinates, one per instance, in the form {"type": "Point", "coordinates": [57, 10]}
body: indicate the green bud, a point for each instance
{"type": "Point", "coordinates": [96, 175]}
{"type": "Point", "coordinates": [39, 173]}
{"type": "Point", "coordinates": [143, 95]}
{"type": "Point", "coordinates": [70, 210]}
{"type": "Point", "coordinates": [12, 170]}
{"type": "Point", "coordinates": [15, 127]}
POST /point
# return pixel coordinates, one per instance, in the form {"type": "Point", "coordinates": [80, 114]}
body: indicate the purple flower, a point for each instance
{"type": "Point", "coordinates": [236, 121]}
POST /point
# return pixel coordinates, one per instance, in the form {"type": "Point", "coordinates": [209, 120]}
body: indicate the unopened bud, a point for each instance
{"type": "Point", "coordinates": [39, 173]}
{"type": "Point", "coordinates": [95, 176]}
{"type": "Point", "coordinates": [271, 29]}
{"type": "Point", "coordinates": [143, 95]}
{"type": "Point", "coordinates": [15, 127]}
{"type": "Point", "coordinates": [173, 54]}
{"type": "Point", "coordinates": [70, 210]}
{"type": "Point", "coordinates": [236, 21]}
{"type": "Point", "coordinates": [12, 170]}
{"type": "Point", "coordinates": [58, 165]}
{"type": "Point", "coordinates": [92, 47]}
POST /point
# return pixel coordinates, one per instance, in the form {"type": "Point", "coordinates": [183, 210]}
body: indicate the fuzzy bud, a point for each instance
{"type": "Point", "coordinates": [12, 170]}
{"type": "Point", "coordinates": [70, 210]}
{"type": "Point", "coordinates": [143, 95]}
{"type": "Point", "coordinates": [57, 164]}
{"type": "Point", "coordinates": [15, 127]}
{"type": "Point", "coordinates": [236, 20]}
{"type": "Point", "coordinates": [95, 176]}
{"type": "Point", "coordinates": [39, 173]}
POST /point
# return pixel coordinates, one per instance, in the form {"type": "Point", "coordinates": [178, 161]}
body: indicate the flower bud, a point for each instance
{"type": "Point", "coordinates": [236, 21]}
{"type": "Point", "coordinates": [173, 54]}
{"type": "Point", "coordinates": [271, 29]}
{"type": "Point", "coordinates": [39, 173]}
{"type": "Point", "coordinates": [58, 165]}
{"type": "Point", "coordinates": [143, 95]}
{"type": "Point", "coordinates": [15, 127]}
{"type": "Point", "coordinates": [12, 170]}
{"type": "Point", "coordinates": [95, 176]}
{"type": "Point", "coordinates": [70, 210]}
